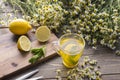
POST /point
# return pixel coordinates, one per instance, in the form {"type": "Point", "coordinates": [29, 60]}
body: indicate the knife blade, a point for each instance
{"type": "Point", "coordinates": [28, 75]}
{"type": "Point", "coordinates": [36, 78]}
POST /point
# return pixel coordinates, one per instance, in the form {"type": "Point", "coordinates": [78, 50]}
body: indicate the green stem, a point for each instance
{"type": "Point", "coordinates": [20, 8]}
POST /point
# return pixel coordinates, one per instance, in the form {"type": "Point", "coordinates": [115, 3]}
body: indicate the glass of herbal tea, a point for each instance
{"type": "Point", "coordinates": [70, 47]}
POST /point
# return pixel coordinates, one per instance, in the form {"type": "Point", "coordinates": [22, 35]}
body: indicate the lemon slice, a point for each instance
{"type": "Point", "coordinates": [19, 26]}
{"type": "Point", "coordinates": [43, 33]}
{"type": "Point", "coordinates": [24, 43]}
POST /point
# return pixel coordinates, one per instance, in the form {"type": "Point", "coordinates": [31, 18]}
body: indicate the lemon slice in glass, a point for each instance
{"type": "Point", "coordinates": [43, 33]}
{"type": "Point", "coordinates": [24, 43]}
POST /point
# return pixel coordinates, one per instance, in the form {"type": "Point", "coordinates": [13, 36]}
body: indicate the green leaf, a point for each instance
{"type": "Point", "coordinates": [34, 59]}
{"type": "Point", "coordinates": [37, 54]}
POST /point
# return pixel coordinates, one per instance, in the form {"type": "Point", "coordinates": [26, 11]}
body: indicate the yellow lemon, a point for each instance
{"type": "Point", "coordinates": [43, 33]}
{"type": "Point", "coordinates": [19, 26]}
{"type": "Point", "coordinates": [24, 43]}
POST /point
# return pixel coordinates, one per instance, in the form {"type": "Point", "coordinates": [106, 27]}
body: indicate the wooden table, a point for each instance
{"type": "Point", "coordinates": [106, 58]}
{"type": "Point", "coordinates": [109, 62]}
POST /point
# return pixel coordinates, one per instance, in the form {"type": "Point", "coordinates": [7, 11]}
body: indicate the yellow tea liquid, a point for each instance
{"type": "Point", "coordinates": [71, 51]}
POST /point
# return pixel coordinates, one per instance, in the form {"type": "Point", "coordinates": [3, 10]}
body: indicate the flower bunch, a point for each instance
{"type": "Point", "coordinates": [95, 25]}
{"type": "Point", "coordinates": [41, 12]}
{"type": "Point", "coordinates": [96, 20]}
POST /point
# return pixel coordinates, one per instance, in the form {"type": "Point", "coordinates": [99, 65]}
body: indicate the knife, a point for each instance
{"type": "Point", "coordinates": [27, 75]}
{"type": "Point", "coordinates": [36, 78]}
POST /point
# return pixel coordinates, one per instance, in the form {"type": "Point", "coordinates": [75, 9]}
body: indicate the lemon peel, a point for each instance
{"type": "Point", "coordinates": [19, 26]}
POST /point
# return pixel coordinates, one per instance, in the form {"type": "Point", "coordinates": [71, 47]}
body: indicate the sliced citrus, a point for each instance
{"type": "Point", "coordinates": [24, 43]}
{"type": "Point", "coordinates": [43, 33]}
{"type": "Point", "coordinates": [19, 26]}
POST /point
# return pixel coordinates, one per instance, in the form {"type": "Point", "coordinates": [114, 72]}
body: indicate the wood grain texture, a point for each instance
{"type": "Point", "coordinates": [12, 59]}
{"type": "Point", "coordinates": [106, 58]}
{"type": "Point", "coordinates": [111, 77]}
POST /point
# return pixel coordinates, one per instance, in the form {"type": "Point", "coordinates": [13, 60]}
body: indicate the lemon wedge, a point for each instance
{"type": "Point", "coordinates": [43, 33]}
{"type": "Point", "coordinates": [24, 43]}
{"type": "Point", "coordinates": [19, 26]}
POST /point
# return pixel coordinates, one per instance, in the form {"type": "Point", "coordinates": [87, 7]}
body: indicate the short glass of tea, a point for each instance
{"type": "Point", "coordinates": [70, 47]}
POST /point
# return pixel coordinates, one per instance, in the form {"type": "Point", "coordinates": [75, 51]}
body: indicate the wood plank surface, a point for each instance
{"type": "Point", "coordinates": [111, 77]}
{"type": "Point", "coordinates": [12, 59]}
{"type": "Point", "coordinates": [110, 71]}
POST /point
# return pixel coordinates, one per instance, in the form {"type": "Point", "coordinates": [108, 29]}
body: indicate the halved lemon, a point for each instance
{"type": "Point", "coordinates": [43, 33]}
{"type": "Point", "coordinates": [24, 43]}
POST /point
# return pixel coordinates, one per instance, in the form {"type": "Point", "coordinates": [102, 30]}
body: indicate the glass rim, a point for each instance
{"type": "Point", "coordinates": [71, 34]}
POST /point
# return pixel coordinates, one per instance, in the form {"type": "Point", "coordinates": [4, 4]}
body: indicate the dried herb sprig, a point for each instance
{"type": "Point", "coordinates": [87, 70]}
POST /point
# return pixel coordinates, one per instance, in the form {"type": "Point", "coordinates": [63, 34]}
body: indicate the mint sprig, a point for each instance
{"type": "Point", "coordinates": [37, 54]}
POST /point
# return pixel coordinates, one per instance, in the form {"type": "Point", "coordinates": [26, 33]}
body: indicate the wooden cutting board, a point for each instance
{"type": "Point", "coordinates": [12, 59]}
